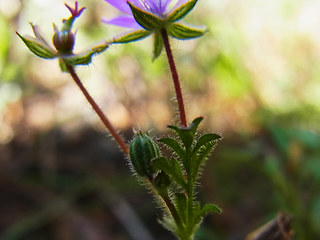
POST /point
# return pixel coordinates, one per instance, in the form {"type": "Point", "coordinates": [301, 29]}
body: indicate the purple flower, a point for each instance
{"type": "Point", "coordinates": [146, 17]}
{"type": "Point", "coordinates": [155, 7]}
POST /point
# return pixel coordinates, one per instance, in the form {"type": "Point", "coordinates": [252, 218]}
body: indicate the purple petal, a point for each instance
{"type": "Point", "coordinates": [138, 4]}
{"type": "Point", "coordinates": [123, 21]}
{"type": "Point", "coordinates": [121, 5]}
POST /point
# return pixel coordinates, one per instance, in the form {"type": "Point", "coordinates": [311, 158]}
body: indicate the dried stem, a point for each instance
{"type": "Point", "coordinates": [175, 78]}
{"type": "Point", "coordinates": [98, 111]}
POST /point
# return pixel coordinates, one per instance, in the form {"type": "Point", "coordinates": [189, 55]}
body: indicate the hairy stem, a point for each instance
{"type": "Point", "coordinates": [175, 78]}
{"type": "Point", "coordinates": [98, 111]}
{"type": "Point", "coordinates": [173, 210]}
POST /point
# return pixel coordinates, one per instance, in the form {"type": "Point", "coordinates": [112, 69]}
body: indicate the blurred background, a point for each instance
{"type": "Point", "coordinates": [254, 77]}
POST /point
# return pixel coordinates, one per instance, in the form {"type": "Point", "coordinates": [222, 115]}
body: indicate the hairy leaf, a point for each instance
{"type": "Point", "coordinates": [204, 139]}
{"type": "Point", "coordinates": [172, 168]}
{"type": "Point", "coordinates": [175, 146]}
{"type": "Point", "coordinates": [181, 204]}
{"type": "Point", "coordinates": [208, 208]}
{"type": "Point", "coordinates": [187, 134]}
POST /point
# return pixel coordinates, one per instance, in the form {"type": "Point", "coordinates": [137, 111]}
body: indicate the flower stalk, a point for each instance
{"type": "Point", "coordinates": [98, 111]}
{"type": "Point", "coordinates": [175, 78]}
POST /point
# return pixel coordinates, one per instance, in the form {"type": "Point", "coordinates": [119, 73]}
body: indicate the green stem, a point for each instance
{"type": "Point", "coordinates": [190, 206]}
{"type": "Point", "coordinates": [169, 206]}
{"type": "Point", "coordinates": [175, 78]}
{"type": "Point", "coordinates": [173, 210]}
{"type": "Point", "coordinates": [98, 110]}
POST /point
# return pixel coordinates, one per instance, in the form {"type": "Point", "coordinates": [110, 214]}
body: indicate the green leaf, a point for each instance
{"type": "Point", "coordinates": [38, 47]}
{"type": "Point", "coordinates": [158, 45]}
{"type": "Point", "coordinates": [208, 208]}
{"type": "Point", "coordinates": [132, 36]}
{"type": "Point", "coordinates": [84, 58]}
{"type": "Point", "coordinates": [182, 11]}
{"type": "Point", "coordinates": [199, 159]}
{"type": "Point", "coordinates": [186, 134]}
{"type": "Point", "coordinates": [172, 168]}
{"type": "Point", "coordinates": [184, 32]}
{"type": "Point", "coordinates": [145, 19]}
{"type": "Point", "coordinates": [175, 146]}
{"type": "Point", "coordinates": [204, 139]}
{"type": "Point", "coordinates": [181, 204]}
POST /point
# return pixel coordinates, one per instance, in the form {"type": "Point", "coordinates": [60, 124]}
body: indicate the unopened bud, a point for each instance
{"type": "Point", "coordinates": [142, 151]}
{"type": "Point", "coordinates": [63, 41]}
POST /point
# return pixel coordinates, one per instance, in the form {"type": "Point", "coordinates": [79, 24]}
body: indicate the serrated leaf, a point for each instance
{"type": "Point", "coordinates": [186, 134]}
{"type": "Point", "coordinates": [158, 45]}
{"type": "Point", "coordinates": [204, 139]}
{"type": "Point", "coordinates": [175, 146]}
{"type": "Point", "coordinates": [84, 58]}
{"type": "Point", "coordinates": [184, 32]}
{"type": "Point", "coordinates": [182, 11]}
{"type": "Point", "coordinates": [172, 168]}
{"type": "Point", "coordinates": [132, 36]}
{"type": "Point", "coordinates": [38, 47]}
{"type": "Point", "coordinates": [181, 204]}
{"type": "Point", "coordinates": [145, 19]}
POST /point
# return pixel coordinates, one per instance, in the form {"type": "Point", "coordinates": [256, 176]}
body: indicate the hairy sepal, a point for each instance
{"type": "Point", "coordinates": [182, 11]}
{"type": "Point", "coordinates": [184, 32]}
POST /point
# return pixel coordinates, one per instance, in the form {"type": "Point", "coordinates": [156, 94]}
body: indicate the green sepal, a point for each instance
{"type": "Point", "coordinates": [204, 139]}
{"type": "Point", "coordinates": [62, 65]}
{"type": "Point", "coordinates": [67, 24]}
{"type": "Point", "coordinates": [172, 168]}
{"type": "Point", "coordinates": [84, 58]}
{"type": "Point", "coordinates": [158, 45]}
{"type": "Point", "coordinates": [132, 36]}
{"type": "Point", "coordinates": [208, 208]}
{"type": "Point", "coordinates": [187, 134]}
{"type": "Point", "coordinates": [145, 19]}
{"type": "Point", "coordinates": [38, 46]}
{"type": "Point", "coordinates": [182, 11]}
{"type": "Point", "coordinates": [181, 203]}
{"type": "Point", "coordinates": [175, 146]}
{"type": "Point", "coordinates": [183, 32]}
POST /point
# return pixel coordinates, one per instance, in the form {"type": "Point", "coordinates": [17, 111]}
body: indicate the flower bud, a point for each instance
{"type": "Point", "coordinates": [63, 41]}
{"type": "Point", "coordinates": [142, 151]}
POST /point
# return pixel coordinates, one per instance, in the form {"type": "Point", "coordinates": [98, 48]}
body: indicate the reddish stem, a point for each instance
{"type": "Point", "coordinates": [98, 110]}
{"type": "Point", "coordinates": [175, 78]}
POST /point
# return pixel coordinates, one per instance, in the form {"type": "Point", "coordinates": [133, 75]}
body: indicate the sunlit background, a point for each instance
{"type": "Point", "coordinates": [254, 77]}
